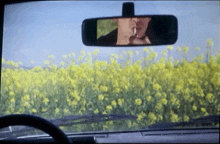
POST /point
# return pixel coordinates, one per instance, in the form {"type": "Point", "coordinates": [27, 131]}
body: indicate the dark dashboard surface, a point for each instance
{"type": "Point", "coordinates": [156, 136]}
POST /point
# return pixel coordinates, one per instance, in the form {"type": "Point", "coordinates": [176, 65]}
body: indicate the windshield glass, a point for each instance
{"type": "Point", "coordinates": [48, 71]}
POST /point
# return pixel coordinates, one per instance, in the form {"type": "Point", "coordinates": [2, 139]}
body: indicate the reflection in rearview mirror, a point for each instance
{"type": "Point", "coordinates": [137, 31]}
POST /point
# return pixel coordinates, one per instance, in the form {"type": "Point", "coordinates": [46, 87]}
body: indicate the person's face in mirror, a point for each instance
{"type": "Point", "coordinates": [127, 27]}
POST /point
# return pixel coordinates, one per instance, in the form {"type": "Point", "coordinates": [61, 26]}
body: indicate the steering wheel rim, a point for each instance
{"type": "Point", "coordinates": [37, 122]}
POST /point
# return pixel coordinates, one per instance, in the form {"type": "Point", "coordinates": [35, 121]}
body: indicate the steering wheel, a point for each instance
{"type": "Point", "coordinates": [37, 122]}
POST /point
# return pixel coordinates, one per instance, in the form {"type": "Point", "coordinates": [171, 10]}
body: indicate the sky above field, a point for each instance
{"type": "Point", "coordinates": [34, 30]}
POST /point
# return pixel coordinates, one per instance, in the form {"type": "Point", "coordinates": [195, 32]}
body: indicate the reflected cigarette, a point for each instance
{"type": "Point", "coordinates": [134, 31]}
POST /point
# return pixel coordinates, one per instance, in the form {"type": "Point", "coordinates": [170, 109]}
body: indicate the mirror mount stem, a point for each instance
{"type": "Point", "coordinates": [128, 9]}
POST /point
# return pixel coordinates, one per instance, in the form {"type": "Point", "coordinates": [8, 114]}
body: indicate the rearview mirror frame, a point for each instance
{"type": "Point", "coordinates": [89, 30]}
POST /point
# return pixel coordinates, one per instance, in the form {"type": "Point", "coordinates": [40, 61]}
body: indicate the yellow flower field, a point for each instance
{"type": "Point", "coordinates": [154, 91]}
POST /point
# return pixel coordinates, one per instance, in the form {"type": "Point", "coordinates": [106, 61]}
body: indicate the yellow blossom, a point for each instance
{"type": "Point", "coordinates": [210, 42]}
{"type": "Point", "coordinates": [64, 56]}
{"type": "Point", "coordinates": [72, 54]}
{"type": "Point", "coordinates": [100, 97]}
{"type": "Point", "coordinates": [153, 55]}
{"type": "Point", "coordinates": [77, 97]}
{"type": "Point", "coordinates": [215, 79]}
{"type": "Point", "coordinates": [61, 63]}
{"type": "Point", "coordinates": [113, 103]}
{"type": "Point", "coordinates": [3, 60]}
{"type": "Point", "coordinates": [146, 50]}
{"type": "Point", "coordinates": [26, 104]}
{"type": "Point", "coordinates": [46, 100]}
{"type": "Point", "coordinates": [197, 48]}
{"type": "Point", "coordinates": [109, 107]}
{"type": "Point", "coordinates": [187, 97]}
{"type": "Point", "coordinates": [10, 88]}
{"type": "Point", "coordinates": [44, 109]}
{"type": "Point", "coordinates": [12, 100]}
{"type": "Point", "coordinates": [120, 56]}
{"type": "Point", "coordinates": [129, 124]}
{"type": "Point", "coordinates": [158, 94]}
{"type": "Point", "coordinates": [83, 102]}
{"type": "Point", "coordinates": [203, 109]}
{"type": "Point", "coordinates": [170, 47]}
{"type": "Point", "coordinates": [174, 117]}
{"type": "Point", "coordinates": [176, 62]}
{"type": "Point", "coordinates": [206, 113]}
{"type": "Point", "coordinates": [83, 109]}
{"type": "Point", "coordinates": [117, 90]}
{"type": "Point", "coordinates": [164, 101]}
{"type": "Point", "coordinates": [7, 81]}
{"type": "Point", "coordinates": [156, 87]}
{"type": "Point", "coordinates": [95, 52]}
{"type": "Point", "coordinates": [120, 101]}
{"type": "Point", "coordinates": [152, 116]}
{"type": "Point", "coordinates": [201, 102]}
{"type": "Point", "coordinates": [186, 118]}
{"type": "Point", "coordinates": [96, 111]}
{"type": "Point", "coordinates": [162, 60]}
{"type": "Point", "coordinates": [185, 49]}
{"type": "Point", "coordinates": [209, 97]}
{"type": "Point", "coordinates": [148, 98]}
{"type": "Point", "coordinates": [51, 56]}
{"type": "Point", "coordinates": [34, 110]}
{"type": "Point", "coordinates": [200, 57]}
{"type": "Point", "coordinates": [66, 111]}
{"type": "Point", "coordinates": [138, 101]}
{"type": "Point", "coordinates": [26, 97]}
{"type": "Point", "coordinates": [177, 103]}
{"type": "Point", "coordinates": [114, 56]}
{"type": "Point", "coordinates": [11, 93]}
{"type": "Point", "coordinates": [105, 127]}
{"type": "Point", "coordinates": [82, 52]}
{"type": "Point", "coordinates": [80, 113]}
{"type": "Point", "coordinates": [7, 112]}
{"type": "Point", "coordinates": [109, 122]}
{"type": "Point", "coordinates": [57, 110]}
{"type": "Point", "coordinates": [159, 106]}
{"type": "Point", "coordinates": [136, 52]}
{"type": "Point", "coordinates": [103, 88]}
{"type": "Point", "coordinates": [160, 117]}
{"type": "Point", "coordinates": [178, 48]}
{"type": "Point", "coordinates": [140, 116]}
{"type": "Point", "coordinates": [164, 95]}
{"type": "Point", "coordinates": [47, 62]}
{"type": "Point", "coordinates": [74, 103]}
{"type": "Point", "coordinates": [130, 53]}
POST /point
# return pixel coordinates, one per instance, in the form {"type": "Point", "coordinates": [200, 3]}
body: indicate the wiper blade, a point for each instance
{"type": "Point", "coordinates": [72, 120]}
{"type": "Point", "coordinates": [82, 119]}
{"type": "Point", "coordinates": [205, 120]}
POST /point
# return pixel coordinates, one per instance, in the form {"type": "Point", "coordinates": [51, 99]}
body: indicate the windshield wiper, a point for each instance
{"type": "Point", "coordinates": [82, 119]}
{"type": "Point", "coordinates": [72, 120]}
{"type": "Point", "coordinates": [205, 120]}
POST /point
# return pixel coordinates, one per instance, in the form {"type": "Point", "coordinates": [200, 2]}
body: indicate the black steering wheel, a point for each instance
{"type": "Point", "coordinates": [37, 122]}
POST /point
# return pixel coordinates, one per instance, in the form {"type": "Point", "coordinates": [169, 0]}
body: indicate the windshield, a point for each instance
{"type": "Point", "coordinates": [48, 71]}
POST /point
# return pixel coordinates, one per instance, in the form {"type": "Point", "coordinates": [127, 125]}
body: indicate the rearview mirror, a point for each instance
{"type": "Point", "coordinates": [146, 30]}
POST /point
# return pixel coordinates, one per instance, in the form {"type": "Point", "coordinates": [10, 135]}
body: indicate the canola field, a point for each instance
{"type": "Point", "coordinates": [154, 91]}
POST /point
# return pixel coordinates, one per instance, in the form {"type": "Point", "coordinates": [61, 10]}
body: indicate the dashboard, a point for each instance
{"type": "Point", "coordinates": [151, 136]}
